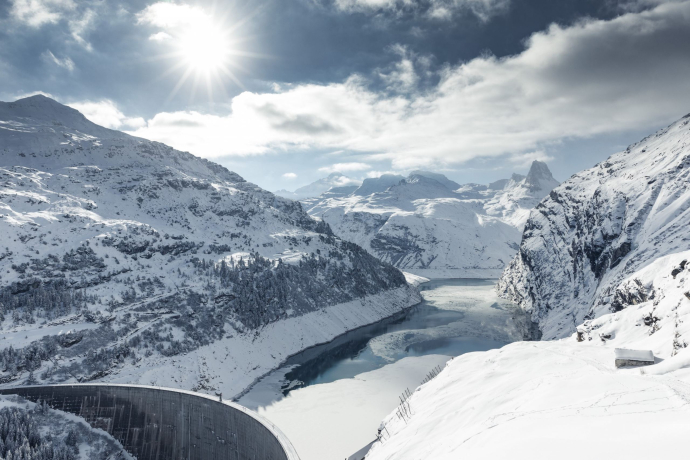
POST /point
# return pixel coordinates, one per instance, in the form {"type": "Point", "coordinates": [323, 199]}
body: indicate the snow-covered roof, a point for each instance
{"type": "Point", "coordinates": [636, 355]}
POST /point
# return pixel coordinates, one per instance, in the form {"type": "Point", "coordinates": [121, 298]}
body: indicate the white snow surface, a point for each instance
{"type": "Point", "coordinates": [334, 180]}
{"type": "Point", "coordinates": [234, 363]}
{"type": "Point", "coordinates": [542, 400]}
{"type": "Point", "coordinates": [428, 225]}
{"type": "Point", "coordinates": [352, 407]}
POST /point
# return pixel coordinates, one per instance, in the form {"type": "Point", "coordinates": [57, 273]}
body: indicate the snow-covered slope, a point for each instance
{"type": "Point", "coordinates": [530, 399]}
{"type": "Point", "coordinates": [378, 184]}
{"type": "Point", "coordinates": [120, 256]}
{"type": "Point", "coordinates": [599, 229]}
{"type": "Point", "coordinates": [430, 225]}
{"type": "Point", "coordinates": [539, 401]}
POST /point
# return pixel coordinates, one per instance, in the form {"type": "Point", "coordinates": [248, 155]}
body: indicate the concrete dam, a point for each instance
{"type": "Point", "coordinates": [166, 424]}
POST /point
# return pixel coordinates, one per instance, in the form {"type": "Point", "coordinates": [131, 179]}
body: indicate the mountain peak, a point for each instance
{"type": "Point", "coordinates": [38, 103]}
{"type": "Point", "coordinates": [378, 184]}
{"type": "Point", "coordinates": [440, 178]}
{"type": "Point", "coordinates": [39, 110]}
{"type": "Point", "coordinates": [538, 176]}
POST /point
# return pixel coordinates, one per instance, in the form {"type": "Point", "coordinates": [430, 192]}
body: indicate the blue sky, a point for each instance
{"type": "Point", "coordinates": [285, 91]}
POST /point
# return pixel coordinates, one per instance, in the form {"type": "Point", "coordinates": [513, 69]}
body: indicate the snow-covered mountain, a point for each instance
{"type": "Point", "coordinates": [429, 225]}
{"type": "Point", "coordinates": [521, 194]}
{"type": "Point", "coordinates": [126, 260]}
{"type": "Point", "coordinates": [334, 180]}
{"type": "Point", "coordinates": [604, 263]}
{"type": "Point", "coordinates": [586, 246]}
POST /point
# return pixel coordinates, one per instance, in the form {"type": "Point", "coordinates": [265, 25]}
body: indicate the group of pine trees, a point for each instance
{"type": "Point", "coordinates": [37, 298]}
{"type": "Point", "coordinates": [22, 438]}
{"type": "Point", "coordinates": [260, 291]}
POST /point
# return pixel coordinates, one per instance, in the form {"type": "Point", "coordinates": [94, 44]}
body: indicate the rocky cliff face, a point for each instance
{"type": "Point", "coordinates": [584, 246]}
{"type": "Point", "coordinates": [116, 249]}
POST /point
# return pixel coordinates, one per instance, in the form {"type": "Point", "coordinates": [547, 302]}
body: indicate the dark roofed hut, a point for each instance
{"type": "Point", "coordinates": [625, 357]}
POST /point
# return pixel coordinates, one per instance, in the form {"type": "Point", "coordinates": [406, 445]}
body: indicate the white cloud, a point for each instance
{"type": "Point", "coordinates": [403, 75]}
{"type": "Point", "coordinates": [345, 167]}
{"type": "Point", "coordinates": [106, 113]}
{"type": "Point", "coordinates": [594, 77]}
{"type": "Point", "coordinates": [35, 13]}
{"type": "Point", "coordinates": [65, 63]}
{"type": "Point", "coordinates": [170, 15]}
{"type": "Point", "coordinates": [433, 9]}
{"type": "Point", "coordinates": [376, 174]}
{"type": "Point", "coordinates": [80, 26]}
{"type": "Point", "coordinates": [290, 175]}
{"type": "Point", "coordinates": [524, 160]}
{"type": "Point", "coordinates": [160, 36]}
{"type": "Point", "coordinates": [16, 96]}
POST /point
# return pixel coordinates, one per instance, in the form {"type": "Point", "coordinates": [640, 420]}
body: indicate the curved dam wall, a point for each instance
{"type": "Point", "coordinates": [166, 424]}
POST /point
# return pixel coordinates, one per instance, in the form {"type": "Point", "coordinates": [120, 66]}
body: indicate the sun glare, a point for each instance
{"type": "Point", "coordinates": [204, 48]}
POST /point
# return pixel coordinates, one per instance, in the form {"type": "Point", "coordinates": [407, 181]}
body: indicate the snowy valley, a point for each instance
{"type": "Point", "coordinates": [126, 261]}
{"type": "Point", "coordinates": [603, 264]}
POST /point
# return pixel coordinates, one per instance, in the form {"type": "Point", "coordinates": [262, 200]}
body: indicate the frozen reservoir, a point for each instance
{"type": "Point", "coordinates": [330, 399]}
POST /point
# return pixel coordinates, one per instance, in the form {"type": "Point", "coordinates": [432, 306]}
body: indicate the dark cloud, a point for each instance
{"type": "Point", "coordinates": [411, 68]}
{"type": "Point", "coordinates": [303, 42]}
{"type": "Point", "coordinates": [296, 123]}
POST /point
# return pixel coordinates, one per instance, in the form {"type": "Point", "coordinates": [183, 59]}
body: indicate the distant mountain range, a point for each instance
{"type": "Point", "coordinates": [334, 180]}
{"type": "Point", "coordinates": [429, 225]}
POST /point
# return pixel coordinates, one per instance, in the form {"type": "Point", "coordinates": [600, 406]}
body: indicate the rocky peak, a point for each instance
{"type": "Point", "coordinates": [539, 176]}
{"type": "Point", "coordinates": [378, 184]}
{"type": "Point", "coordinates": [440, 178]}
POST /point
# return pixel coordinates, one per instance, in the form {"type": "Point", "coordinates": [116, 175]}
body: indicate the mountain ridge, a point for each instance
{"type": "Point", "coordinates": [134, 247]}
{"type": "Point", "coordinates": [431, 226]}
{"type": "Point", "coordinates": [603, 225]}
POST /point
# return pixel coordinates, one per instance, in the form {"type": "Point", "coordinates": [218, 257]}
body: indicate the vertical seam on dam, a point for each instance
{"type": "Point", "coordinates": [167, 424]}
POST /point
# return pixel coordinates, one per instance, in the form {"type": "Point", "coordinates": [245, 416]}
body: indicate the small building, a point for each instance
{"type": "Point", "coordinates": [625, 357]}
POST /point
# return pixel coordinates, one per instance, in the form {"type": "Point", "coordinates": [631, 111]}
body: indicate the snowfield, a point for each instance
{"type": "Point", "coordinates": [543, 400]}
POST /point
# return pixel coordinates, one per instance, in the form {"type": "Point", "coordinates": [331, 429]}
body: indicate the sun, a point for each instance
{"type": "Point", "coordinates": [205, 48]}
